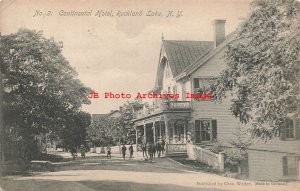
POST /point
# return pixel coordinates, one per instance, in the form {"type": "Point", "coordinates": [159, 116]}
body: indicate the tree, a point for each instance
{"type": "Point", "coordinates": [43, 93]}
{"type": "Point", "coordinates": [115, 130]}
{"type": "Point", "coordinates": [239, 145]}
{"type": "Point", "coordinates": [75, 132]}
{"type": "Point", "coordinates": [126, 124]}
{"type": "Point", "coordinates": [263, 67]}
{"type": "Point", "coordinates": [104, 131]}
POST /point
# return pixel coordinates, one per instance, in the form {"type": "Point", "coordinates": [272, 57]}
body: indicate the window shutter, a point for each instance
{"type": "Point", "coordinates": [197, 131]}
{"type": "Point", "coordinates": [297, 128]}
{"type": "Point", "coordinates": [285, 166]}
{"type": "Point", "coordinates": [214, 130]}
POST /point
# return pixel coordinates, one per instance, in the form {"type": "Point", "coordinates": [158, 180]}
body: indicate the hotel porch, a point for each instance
{"type": "Point", "coordinates": [168, 122]}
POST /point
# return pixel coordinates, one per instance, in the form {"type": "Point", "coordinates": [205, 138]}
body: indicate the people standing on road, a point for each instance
{"type": "Point", "coordinates": [163, 143]}
{"type": "Point", "coordinates": [150, 153]}
{"type": "Point", "coordinates": [144, 149]}
{"type": "Point", "coordinates": [153, 150]}
{"type": "Point", "coordinates": [158, 149]}
{"type": "Point", "coordinates": [73, 152]}
{"type": "Point", "coordinates": [124, 151]}
{"type": "Point", "coordinates": [82, 151]}
{"type": "Point", "coordinates": [131, 151]}
{"type": "Point", "coordinates": [108, 152]}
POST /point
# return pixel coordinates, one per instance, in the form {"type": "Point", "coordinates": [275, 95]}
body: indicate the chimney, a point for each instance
{"type": "Point", "coordinates": [219, 30]}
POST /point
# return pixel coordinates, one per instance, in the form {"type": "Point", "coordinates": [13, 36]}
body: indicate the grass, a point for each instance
{"type": "Point", "coordinates": [196, 165]}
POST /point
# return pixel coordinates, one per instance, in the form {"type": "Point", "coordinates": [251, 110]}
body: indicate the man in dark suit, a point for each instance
{"type": "Point", "coordinates": [124, 151]}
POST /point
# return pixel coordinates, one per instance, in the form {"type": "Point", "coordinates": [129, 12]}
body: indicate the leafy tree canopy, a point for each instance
{"type": "Point", "coordinates": [126, 123]}
{"type": "Point", "coordinates": [104, 131]}
{"type": "Point", "coordinates": [43, 92]}
{"type": "Point", "coordinates": [113, 130]}
{"type": "Point", "coordinates": [263, 67]}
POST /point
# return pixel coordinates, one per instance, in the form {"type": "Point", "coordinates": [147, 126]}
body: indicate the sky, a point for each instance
{"type": "Point", "coordinates": [119, 53]}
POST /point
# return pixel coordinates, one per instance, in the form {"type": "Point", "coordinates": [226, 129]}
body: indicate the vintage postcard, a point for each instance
{"type": "Point", "coordinates": [149, 95]}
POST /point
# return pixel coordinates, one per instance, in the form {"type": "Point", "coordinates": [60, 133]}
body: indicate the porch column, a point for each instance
{"type": "Point", "coordinates": [145, 135]}
{"type": "Point", "coordinates": [167, 131]}
{"type": "Point", "coordinates": [174, 140]}
{"type": "Point", "coordinates": [160, 135]}
{"type": "Point", "coordinates": [184, 133]}
{"type": "Point", "coordinates": [154, 131]}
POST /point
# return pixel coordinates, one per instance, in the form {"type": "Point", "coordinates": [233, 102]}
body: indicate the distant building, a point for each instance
{"type": "Point", "coordinates": [113, 114]}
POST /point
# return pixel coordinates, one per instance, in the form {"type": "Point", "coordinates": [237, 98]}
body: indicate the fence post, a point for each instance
{"type": "Point", "coordinates": [221, 162]}
{"type": "Point", "coordinates": [187, 149]}
{"type": "Point", "coordinates": [201, 151]}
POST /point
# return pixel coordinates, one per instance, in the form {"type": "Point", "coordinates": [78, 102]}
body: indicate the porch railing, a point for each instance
{"type": "Point", "coordinates": [164, 106]}
{"type": "Point", "coordinates": [176, 148]}
{"type": "Point", "coordinates": [198, 153]}
{"type": "Point", "coordinates": [179, 105]}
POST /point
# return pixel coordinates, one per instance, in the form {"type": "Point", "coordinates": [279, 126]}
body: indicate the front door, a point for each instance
{"type": "Point", "coordinates": [179, 132]}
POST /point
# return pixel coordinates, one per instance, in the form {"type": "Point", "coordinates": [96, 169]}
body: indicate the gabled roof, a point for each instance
{"type": "Point", "coordinates": [181, 54]}
{"type": "Point", "coordinates": [201, 60]}
{"type": "Point", "coordinates": [97, 117]}
{"type": "Point", "coordinates": [115, 113]}
{"type": "Point", "coordinates": [112, 114]}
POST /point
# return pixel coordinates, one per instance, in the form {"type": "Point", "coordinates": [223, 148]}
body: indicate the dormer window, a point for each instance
{"type": "Point", "coordinates": [167, 72]}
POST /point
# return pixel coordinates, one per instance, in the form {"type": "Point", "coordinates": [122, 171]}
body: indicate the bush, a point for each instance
{"type": "Point", "coordinates": [234, 157]}
{"type": "Point", "coordinates": [217, 147]}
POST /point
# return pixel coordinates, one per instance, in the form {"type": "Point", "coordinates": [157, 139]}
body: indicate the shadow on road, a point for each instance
{"type": "Point", "coordinates": [52, 185]}
{"type": "Point", "coordinates": [161, 165]}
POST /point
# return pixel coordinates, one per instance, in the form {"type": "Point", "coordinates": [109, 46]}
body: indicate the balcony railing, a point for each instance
{"type": "Point", "coordinates": [165, 106]}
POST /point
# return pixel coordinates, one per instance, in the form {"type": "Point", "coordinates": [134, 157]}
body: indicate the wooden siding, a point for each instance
{"type": "Point", "coordinates": [227, 123]}
{"type": "Point", "coordinates": [212, 67]}
{"type": "Point", "coordinates": [287, 146]}
{"type": "Point", "coordinates": [265, 165]}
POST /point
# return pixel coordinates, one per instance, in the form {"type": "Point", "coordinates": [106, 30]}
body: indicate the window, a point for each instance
{"type": "Point", "coordinates": [167, 70]}
{"type": "Point", "coordinates": [169, 90]}
{"type": "Point", "coordinates": [201, 83]}
{"type": "Point", "coordinates": [289, 129]}
{"type": "Point", "coordinates": [174, 90]}
{"type": "Point", "coordinates": [290, 165]}
{"type": "Point", "coordinates": [205, 130]}
{"type": "Point", "coordinates": [179, 131]}
{"type": "Point", "coordinates": [196, 83]}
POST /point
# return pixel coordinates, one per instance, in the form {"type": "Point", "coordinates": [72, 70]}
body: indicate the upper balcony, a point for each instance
{"type": "Point", "coordinates": [164, 107]}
